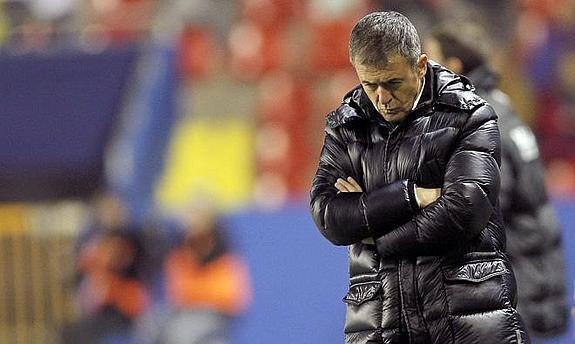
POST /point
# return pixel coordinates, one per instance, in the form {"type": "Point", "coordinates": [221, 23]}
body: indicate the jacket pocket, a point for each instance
{"type": "Point", "coordinates": [361, 292]}
{"type": "Point", "coordinates": [363, 307]}
{"type": "Point", "coordinates": [475, 287]}
{"type": "Point", "coordinates": [475, 272]}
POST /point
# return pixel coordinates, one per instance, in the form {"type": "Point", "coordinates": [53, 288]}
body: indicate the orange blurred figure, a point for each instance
{"type": "Point", "coordinates": [207, 284]}
{"type": "Point", "coordinates": [203, 272]}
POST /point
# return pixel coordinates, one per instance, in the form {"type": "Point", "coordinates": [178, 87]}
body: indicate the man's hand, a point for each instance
{"type": "Point", "coordinates": [349, 185]}
{"type": "Point", "coordinates": [426, 196]}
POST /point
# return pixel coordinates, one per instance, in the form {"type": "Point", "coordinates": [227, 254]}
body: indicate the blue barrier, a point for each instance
{"type": "Point", "coordinates": [298, 279]}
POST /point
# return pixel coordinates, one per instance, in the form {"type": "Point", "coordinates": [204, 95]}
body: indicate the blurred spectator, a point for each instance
{"type": "Point", "coordinates": [29, 29]}
{"type": "Point", "coordinates": [119, 21]}
{"type": "Point", "coordinates": [110, 292]}
{"type": "Point", "coordinates": [533, 233]}
{"type": "Point", "coordinates": [45, 25]}
{"type": "Point", "coordinates": [207, 285]}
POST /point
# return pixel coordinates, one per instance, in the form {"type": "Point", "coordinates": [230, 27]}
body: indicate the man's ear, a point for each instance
{"type": "Point", "coordinates": [422, 65]}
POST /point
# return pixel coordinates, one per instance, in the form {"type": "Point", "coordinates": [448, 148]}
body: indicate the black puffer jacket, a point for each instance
{"type": "Point", "coordinates": [533, 232]}
{"type": "Point", "coordinates": [437, 275]}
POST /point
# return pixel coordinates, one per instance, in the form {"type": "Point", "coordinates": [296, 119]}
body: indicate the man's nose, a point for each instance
{"type": "Point", "coordinates": [383, 95]}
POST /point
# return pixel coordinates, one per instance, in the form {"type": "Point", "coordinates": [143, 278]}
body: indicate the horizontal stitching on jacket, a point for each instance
{"type": "Point", "coordinates": [480, 312]}
{"type": "Point", "coordinates": [379, 329]}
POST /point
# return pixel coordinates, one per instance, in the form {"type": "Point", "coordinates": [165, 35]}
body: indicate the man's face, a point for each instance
{"type": "Point", "coordinates": [393, 88]}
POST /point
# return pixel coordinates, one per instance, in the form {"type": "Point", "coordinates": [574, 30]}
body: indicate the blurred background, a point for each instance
{"type": "Point", "coordinates": [156, 156]}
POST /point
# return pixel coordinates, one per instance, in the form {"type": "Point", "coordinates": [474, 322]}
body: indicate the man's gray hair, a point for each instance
{"type": "Point", "coordinates": [379, 35]}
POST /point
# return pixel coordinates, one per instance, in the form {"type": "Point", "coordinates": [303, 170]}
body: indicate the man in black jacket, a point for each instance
{"type": "Point", "coordinates": [409, 177]}
{"type": "Point", "coordinates": [533, 233]}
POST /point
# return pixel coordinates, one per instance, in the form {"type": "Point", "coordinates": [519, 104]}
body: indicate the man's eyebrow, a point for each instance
{"type": "Point", "coordinates": [381, 82]}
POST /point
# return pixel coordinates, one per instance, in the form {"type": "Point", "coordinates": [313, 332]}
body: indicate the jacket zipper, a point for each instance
{"type": "Point", "coordinates": [403, 315]}
{"type": "Point", "coordinates": [391, 131]}
{"type": "Point", "coordinates": [416, 295]}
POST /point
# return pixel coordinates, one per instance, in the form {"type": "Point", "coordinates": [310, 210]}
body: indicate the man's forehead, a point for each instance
{"type": "Point", "coordinates": [388, 71]}
{"type": "Point", "coordinates": [392, 63]}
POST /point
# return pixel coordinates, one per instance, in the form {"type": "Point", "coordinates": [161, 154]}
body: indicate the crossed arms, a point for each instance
{"type": "Point", "coordinates": [423, 196]}
{"type": "Point", "coordinates": [402, 218]}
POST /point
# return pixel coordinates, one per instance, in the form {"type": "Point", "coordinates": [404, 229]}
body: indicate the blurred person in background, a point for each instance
{"type": "Point", "coordinates": [36, 25]}
{"type": "Point", "coordinates": [110, 293]}
{"type": "Point", "coordinates": [409, 178]}
{"type": "Point", "coordinates": [207, 285]}
{"type": "Point", "coordinates": [533, 232]}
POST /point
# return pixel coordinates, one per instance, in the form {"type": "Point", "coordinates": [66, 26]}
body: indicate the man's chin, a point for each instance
{"type": "Point", "coordinates": [394, 117]}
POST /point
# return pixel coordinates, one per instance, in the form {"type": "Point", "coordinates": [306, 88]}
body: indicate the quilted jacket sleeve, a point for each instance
{"type": "Point", "coordinates": [347, 218]}
{"type": "Point", "coordinates": [468, 197]}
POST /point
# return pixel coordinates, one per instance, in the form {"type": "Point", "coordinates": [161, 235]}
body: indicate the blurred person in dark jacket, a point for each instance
{"type": "Point", "coordinates": [110, 293]}
{"type": "Point", "coordinates": [533, 232]}
{"type": "Point", "coordinates": [409, 177]}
